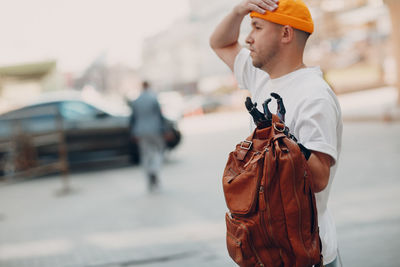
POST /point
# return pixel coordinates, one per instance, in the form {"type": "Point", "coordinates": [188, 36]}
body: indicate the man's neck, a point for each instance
{"type": "Point", "coordinates": [284, 66]}
{"type": "Point", "coordinates": [279, 72]}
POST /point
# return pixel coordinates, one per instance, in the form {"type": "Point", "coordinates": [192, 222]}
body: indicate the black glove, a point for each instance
{"type": "Point", "coordinates": [306, 152]}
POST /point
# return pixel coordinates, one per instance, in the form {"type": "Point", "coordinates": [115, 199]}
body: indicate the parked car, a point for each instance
{"type": "Point", "coordinates": [90, 132]}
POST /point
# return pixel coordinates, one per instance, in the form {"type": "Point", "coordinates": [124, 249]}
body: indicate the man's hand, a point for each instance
{"type": "Point", "coordinates": [224, 40]}
{"type": "Point", "coordinates": [260, 6]}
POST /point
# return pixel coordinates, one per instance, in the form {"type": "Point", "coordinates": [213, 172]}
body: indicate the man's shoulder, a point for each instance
{"type": "Point", "coordinates": [314, 84]}
{"type": "Point", "coordinates": [311, 90]}
{"type": "Point", "coordinates": [313, 75]}
{"type": "Point", "coordinates": [148, 95]}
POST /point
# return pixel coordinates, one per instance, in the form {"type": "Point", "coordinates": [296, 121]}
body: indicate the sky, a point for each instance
{"type": "Point", "coordinates": [74, 32]}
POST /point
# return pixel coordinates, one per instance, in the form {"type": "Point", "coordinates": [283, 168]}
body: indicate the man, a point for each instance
{"type": "Point", "coordinates": [147, 128]}
{"type": "Point", "coordinates": [273, 62]}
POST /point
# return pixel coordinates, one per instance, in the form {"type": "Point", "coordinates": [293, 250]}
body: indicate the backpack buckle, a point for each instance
{"type": "Point", "coordinates": [279, 128]}
{"type": "Point", "coordinates": [246, 144]}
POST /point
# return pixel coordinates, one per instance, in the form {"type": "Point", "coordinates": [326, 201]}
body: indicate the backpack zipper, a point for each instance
{"type": "Point", "coordinates": [269, 225]}
{"type": "Point", "coordinates": [268, 208]}
{"type": "Point", "coordinates": [250, 241]}
{"type": "Point", "coordinates": [251, 158]}
{"type": "Point", "coordinates": [262, 206]}
{"type": "Point", "coordinates": [268, 234]}
{"type": "Point", "coordinates": [298, 204]}
{"type": "Point", "coordinates": [252, 246]}
{"type": "Point", "coordinates": [263, 227]}
{"type": "Point", "coordinates": [237, 241]}
{"type": "Point", "coordinates": [235, 174]}
{"type": "Point", "coordinates": [254, 202]}
{"type": "Point", "coordinates": [262, 220]}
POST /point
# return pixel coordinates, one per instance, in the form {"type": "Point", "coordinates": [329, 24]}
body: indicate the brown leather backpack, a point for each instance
{"type": "Point", "coordinates": [272, 219]}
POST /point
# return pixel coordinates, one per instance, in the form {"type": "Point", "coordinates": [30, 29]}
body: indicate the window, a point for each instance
{"type": "Point", "coordinates": [75, 110]}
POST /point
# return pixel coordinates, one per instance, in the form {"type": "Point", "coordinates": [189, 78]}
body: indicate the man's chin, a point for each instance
{"type": "Point", "coordinates": [257, 64]}
{"type": "Point", "coordinates": [254, 60]}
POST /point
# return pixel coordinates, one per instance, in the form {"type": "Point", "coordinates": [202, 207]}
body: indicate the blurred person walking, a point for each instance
{"type": "Point", "coordinates": [146, 126]}
{"type": "Point", "coordinates": [273, 62]}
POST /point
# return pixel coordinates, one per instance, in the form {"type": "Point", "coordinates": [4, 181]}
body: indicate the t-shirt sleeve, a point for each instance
{"type": "Point", "coordinates": [316, 128]}
{"type": "Point", "coordinates": [244, 71]}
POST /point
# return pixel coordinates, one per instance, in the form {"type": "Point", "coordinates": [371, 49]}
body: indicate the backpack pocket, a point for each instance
{"type": "Point", "coordinates": [241, 180]}
{"type": "Point", "coordinates": [239, 243]}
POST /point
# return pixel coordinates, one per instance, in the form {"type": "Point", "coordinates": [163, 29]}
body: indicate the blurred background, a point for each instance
{"type": "Point", "coordinates": [71, 192]}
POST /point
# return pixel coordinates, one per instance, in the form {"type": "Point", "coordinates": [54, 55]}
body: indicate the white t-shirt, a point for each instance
{"type": "Point", "coordinates": [313, 116]}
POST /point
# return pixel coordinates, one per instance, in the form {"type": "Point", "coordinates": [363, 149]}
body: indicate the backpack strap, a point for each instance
{"type": "Point", "coordinates": [278, 136]}
{"type": "Point", "coordinates": [321, 262]}
{"type": "Point", "coordinates": [245, 146]}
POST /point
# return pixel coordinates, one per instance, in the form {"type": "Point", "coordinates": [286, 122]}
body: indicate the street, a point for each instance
{"type": "Point", "coordinates": [110, 220]}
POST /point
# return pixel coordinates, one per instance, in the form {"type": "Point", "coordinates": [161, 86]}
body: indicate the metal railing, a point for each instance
{"type": "Point", "coordinates": [24, 141]}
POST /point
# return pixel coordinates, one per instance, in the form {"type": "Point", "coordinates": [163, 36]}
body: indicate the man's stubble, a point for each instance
{"type": "Point", "coordinates": [266, 58]}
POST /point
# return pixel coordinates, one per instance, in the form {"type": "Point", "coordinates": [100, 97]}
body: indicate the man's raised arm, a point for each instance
{"type": "Point", "coordinates": [224, 40]}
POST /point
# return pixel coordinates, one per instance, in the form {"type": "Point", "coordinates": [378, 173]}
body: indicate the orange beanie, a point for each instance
{"type": "Point", "coordinates": [289, 12]}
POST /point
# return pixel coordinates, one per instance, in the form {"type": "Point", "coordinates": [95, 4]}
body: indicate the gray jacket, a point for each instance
{"type": "Point", "coordinates": [147, 118]}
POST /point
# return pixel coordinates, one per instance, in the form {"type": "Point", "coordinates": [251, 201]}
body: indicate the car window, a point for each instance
{"type": "Point", "coordinates": [40, 118]}
{"type": "Point", "coordinates": [75, 110]}
{"type": "Point", "coordinates": [31, 119]}
{"type": "Point", "coordinates": [32, 111]}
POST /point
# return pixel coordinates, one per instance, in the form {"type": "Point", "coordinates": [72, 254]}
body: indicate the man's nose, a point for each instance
{"type": "Point", "coordinates": [249, 39]}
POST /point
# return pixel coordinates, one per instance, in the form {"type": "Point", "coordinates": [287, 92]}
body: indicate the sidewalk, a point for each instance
{"type": "Point", "coordinates": [109, 220]}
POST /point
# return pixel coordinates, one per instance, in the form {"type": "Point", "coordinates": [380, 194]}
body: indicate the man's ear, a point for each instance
{"type": "Point", "coordinates": [287, 34]}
